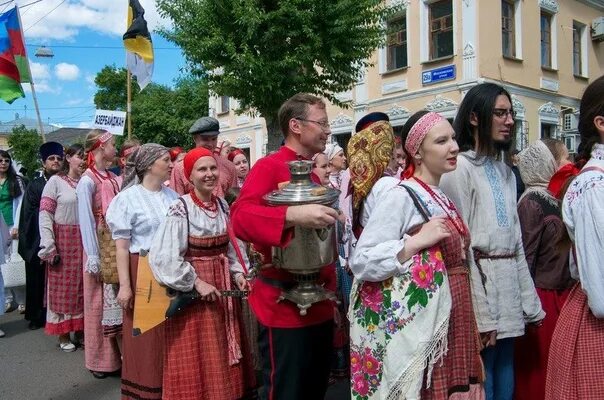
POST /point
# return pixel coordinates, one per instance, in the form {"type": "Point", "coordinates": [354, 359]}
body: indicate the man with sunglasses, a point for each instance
{"type": "Point", "coordinates": [484, 190]}
{"type": "Point", "coordinates": [295, 350]}
{"type": "Point", "coordinates": [51, 155]}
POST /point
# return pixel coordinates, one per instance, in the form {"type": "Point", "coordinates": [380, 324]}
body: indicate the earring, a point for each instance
{"type": "Point", "coordinates": [418, 156]}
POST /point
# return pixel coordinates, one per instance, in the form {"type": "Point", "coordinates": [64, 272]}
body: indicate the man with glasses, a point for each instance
{"type": "Point", "coordinates": [484, 189]}
{"type": "Point", "coordinates": [51, 154]}
{"type": "Point", "coordinates": [296, 350]}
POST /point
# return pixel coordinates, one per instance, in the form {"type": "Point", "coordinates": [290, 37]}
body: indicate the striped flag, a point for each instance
{"type": "Point", "coordinates": [14, 69]}
{"type": "Point", "coordinates": [137, 41]}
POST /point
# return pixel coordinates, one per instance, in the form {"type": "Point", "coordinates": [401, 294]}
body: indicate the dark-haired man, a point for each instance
{"type": "Point", "coordinates": [295, 350]}
{"type": "Point", "coordinates": [484, 189]}
{"type": "Point", "coordinates": [51, 154]}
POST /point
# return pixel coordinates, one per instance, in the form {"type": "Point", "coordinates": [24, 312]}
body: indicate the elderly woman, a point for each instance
{"type": "Point", "coordinates": [205, 353]}
{"type": "Point", "coordinates": [547, 248]}
{"type": "Point", "coordinates": [133, 217]}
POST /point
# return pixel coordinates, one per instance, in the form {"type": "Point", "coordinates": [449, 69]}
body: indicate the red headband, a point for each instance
{"type": "Point", "coordinates": [416, 136]}
{"type": "Point", "coordinates": [126, 153]}
{"type": "Point", "coordinates": [234, 153]}
{"type": "Point", "coordinates": [192, 157]}
{"type": "Point", "coordinates": [104, 138]}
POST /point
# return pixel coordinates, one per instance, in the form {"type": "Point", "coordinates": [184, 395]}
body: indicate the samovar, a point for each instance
{"type": "Point", "coordinates": [310, 249]}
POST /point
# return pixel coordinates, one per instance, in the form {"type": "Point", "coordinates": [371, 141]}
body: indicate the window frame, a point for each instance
{"type": "Point", "coordinates": [432, 49]}
{"type": "Point", "coordinates": [580, 32]}
{"type": "Point", "coordinates": [546, 38]}
{"type": "Point", "coordinates": [225, 104]}
{"type": "Point", "coordinates": [511, 33]}
{"type": "Point", "coordinates": [389, 62]}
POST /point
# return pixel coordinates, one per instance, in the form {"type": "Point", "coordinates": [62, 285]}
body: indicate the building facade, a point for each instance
{"type": "Point", "coordinates": [545, 52]}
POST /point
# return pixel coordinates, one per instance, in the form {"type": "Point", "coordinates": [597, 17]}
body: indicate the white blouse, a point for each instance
{"type": "Point", "coordinates": [168, 249]}
{"type": "Point", "coordinates": [135, 215]}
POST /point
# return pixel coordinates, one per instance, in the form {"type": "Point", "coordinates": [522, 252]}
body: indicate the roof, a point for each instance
{"type": "Point", "coordinates": [29, 123]}
{"type": "Point", "coordinates": [68, 136]}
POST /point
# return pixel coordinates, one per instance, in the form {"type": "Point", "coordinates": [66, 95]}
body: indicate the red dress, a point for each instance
{"type": "Point", "coordinates": [200, 338]}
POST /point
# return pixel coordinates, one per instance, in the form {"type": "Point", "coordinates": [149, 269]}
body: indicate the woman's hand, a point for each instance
{"type": "Point", "coordinates": [206, 291]}
{"type": "Point", "coordinates": [429, 234]}
{"type": "Point", "coordinates": [242, 283]}
{"type": "Point", "coordinates": [125, 298]}
{"type": "Point", "coordinates": [14, 233]}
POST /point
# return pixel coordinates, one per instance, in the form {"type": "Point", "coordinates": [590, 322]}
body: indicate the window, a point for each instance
{"type": "Point", "coordinates": [508, 25]}
{"type": "Point", "coordinates": [225, 104]}
{"type": "Point", "coordinates": [397, 44]}
{"type": "Point", "coordinates": [546, 39]}
{"type": "Point", "coordinates": [579, 62]}
{"type": "Point", "coordinates": [441, 29]}
{"type": "Point", "coordinates": [548, 131]}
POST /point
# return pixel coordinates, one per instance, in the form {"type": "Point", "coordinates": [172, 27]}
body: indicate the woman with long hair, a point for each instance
{"type": "Point", "coordinates": [242, 165]}
{"type": "Point", "coordinates": [12, 187]}
{"type": "Point", "coordinates": [61, 251]}
{"type": "Point", "coordinates": [102, 313]}
{"type": "Point", "coordinates": [206, 356]}
{"type": "Point", "coordinates": [133, 217]}
{"type": "Point", "coordinates": [576, 359]}
{"type": "Point", "coordinates": [411, 299]}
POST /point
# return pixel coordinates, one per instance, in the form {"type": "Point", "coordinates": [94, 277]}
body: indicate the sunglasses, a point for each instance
{"type": "Point", "coordinates": [4, 161]}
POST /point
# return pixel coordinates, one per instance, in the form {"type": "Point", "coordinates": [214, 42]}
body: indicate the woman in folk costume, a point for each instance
{"type": "Point", "coordinates": [133, 217]}
{"type": "Point", "coordinates": [411, 298]}
{"type": "Point", "coordinates": [547, 248]}
{"type": "Point", "coordinates": [102, 313]}
{"type": "Point", "coordinates": [205, 348]}
{"type": "Point", "coordinates": [61, 250]}
{"type": "Point", "coordinates": [576, 360]}
{"type": "Point", "coordinates": [337, 164]}
{"type": "Point", "coordinates": [242, 165]}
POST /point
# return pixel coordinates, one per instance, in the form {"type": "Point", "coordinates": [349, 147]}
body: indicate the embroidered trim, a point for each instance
{"type": "Point", "coordinates": [48, 204]}
{"type": "Point", "coordinates": [598, 152]}
{"type": "Point", "coordinates": [498, 196]}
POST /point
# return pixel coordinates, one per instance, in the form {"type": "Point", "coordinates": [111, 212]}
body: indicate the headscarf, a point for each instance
{"type": "Point", "coordinates": [234, 153]}
{"type": "Point", "coordinates": [104, 138]}
{"type": "Point", "coordinates": [140, 161]}
{"type": "Point", "coordinates": [416, 136]}
{"type": "Point", "coordinates": [369, 153]}
{"type": "Point", "coordinates": [192, 157]}
{"type": "Point", "coordinates": [560, 178]}
{"type": "Point", "coordinates": [537, 165]}
{"type": "Point", "coordinates": [332, 150]}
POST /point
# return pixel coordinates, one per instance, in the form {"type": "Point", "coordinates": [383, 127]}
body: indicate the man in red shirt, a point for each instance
{"type": "Point", "coordinates": [205, 134]}
{"type": "Point", "coordinates": [296, 350]}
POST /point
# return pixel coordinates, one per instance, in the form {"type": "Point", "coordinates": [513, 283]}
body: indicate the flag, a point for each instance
{"type": "Point", "coordinates": [137, 41]}
{"type": "Point", "coordinates": [13, 61]}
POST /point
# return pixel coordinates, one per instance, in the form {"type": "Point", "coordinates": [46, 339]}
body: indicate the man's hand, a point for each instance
{"type": "Point", "coordinates": [488, 338]}
{"type": "Point", "coordinates": [314, 216]}
{"type": "Point", "coordinates": [206, 291]}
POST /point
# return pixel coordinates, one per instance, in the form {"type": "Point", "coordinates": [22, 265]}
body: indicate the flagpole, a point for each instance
{"type": "Point", "coordinates": [31, 81]}
{"type": "Point", "coordinates": [129, 105]}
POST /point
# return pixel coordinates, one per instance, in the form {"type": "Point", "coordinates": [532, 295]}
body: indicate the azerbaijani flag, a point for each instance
{"type": "Point", "coordinates": [13, 61]}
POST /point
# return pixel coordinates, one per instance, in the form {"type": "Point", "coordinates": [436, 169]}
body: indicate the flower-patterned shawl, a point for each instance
{"type": "Point", "coordinates": [399, 314]}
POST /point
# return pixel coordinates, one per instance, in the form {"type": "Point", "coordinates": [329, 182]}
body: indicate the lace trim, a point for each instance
{"type": "Point", "coordinates": [598, 152]}
{"type": "Point", "coordinates": [93, 264]}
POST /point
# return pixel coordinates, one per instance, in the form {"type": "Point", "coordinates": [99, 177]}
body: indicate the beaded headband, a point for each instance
{"type": "Point", "coordinates": [419, 131]}
{"type": "Point", "coordinates": [126, 153]}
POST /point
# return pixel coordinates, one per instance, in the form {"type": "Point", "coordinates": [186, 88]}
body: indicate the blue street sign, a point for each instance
{"type": "Point", "coordinates": [438, 75]}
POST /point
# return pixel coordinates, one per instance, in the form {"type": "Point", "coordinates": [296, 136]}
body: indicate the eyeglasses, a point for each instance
{"type": "Point", "coordinates": [322, 124]}
{"type": "Point", "coordinates": [503, 113]}
{"type": "Point", "coordinates": [55, 158]}
{"type": "Point", "coordinates": [4, 161]}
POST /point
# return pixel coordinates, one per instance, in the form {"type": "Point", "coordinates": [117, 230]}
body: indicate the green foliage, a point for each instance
{"type": "Point", "coordinates": [160, 114]}
{"type": "Point", "coordinates": [262, 52]}
{"type": "Point", "coordinates": [25, 145]}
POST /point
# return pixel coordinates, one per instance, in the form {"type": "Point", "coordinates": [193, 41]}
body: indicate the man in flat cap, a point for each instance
{"type": "Point", "coordinates": [205, 134]}
{"type": "Point", "coordinates": [51, 154]}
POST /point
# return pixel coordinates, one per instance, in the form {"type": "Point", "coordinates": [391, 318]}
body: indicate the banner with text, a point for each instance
{"type": "Point", "coordinates": [112, 121]}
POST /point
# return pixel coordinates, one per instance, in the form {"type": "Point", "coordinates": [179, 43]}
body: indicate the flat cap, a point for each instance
{"type": "Point", "coordinates": [206, 126]}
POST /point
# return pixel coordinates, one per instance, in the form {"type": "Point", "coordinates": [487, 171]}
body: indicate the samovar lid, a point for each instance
{"type": "Point", "coordinates": [301, 189]}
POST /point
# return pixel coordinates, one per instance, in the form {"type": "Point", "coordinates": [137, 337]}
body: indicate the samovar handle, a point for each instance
{"type": "Point", "coordinates": [322, 233]}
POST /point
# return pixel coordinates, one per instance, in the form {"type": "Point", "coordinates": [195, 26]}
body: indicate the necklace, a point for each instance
{"type": "Point", "coordinates": [207, 208]}
{"type": "Point", "coordinates": [448, 207]}
{"type": "Point", "coordinates": [70, 181]}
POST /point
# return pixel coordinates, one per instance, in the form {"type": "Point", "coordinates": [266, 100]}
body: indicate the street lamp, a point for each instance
{"type": "Point", "coordinates": [44, 52]}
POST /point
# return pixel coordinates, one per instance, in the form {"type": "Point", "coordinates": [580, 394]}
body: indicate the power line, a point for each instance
{"type": "Point", "coordinates": [23, 6]}
{"type": "Point", "coordinates": [94, 47]}
{"type": "Point", "coordinates": [44, 16]}
{"type": "Point", "coordinates": [49, 108]}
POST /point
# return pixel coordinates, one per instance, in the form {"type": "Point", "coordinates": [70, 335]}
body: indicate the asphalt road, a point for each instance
{"type": "Point", "coordinates": [33, 368]}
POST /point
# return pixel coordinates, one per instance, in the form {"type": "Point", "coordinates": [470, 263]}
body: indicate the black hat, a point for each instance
{"type": "Point", "coordinates": [205, 126]}
{"type": "Point", "coordinates": [370, 119]}
{"type": "Point", "coordinates": [51, 149]}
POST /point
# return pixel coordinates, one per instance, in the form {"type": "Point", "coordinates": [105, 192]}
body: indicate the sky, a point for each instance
{"type": "Point", "coordinates": [85, 36]}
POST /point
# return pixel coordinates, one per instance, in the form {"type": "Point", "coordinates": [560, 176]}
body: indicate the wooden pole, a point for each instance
{"type": "Point", "coordinates": [129, 105]}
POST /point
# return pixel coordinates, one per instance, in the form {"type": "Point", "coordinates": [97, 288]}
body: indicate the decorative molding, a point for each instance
{"type": "Point", "coordinates": [393, 87]}
{"type": "Point", "coordinates": [550, 5]}
{"type": "Point", "coordinates": [242, 120]}
{"type": "Point", "coordinates": [341, 120]}
{"type": "Point", "coordinates": [549, 84]}
{"type": "Point", "coordinates": [397, 112]}
{"type": "Point", "coordinates": [549, 110]}
{"type": "Point", "coordinates": [440, 104]}
{"type": "Point", "coordinates": [517, 105]}
{"type": "Point", "coordinates": [243, 140]}
{"type": "Point", "coordinates": [597, 4]}
{"type": "Point", "coordinates": [468, 50]}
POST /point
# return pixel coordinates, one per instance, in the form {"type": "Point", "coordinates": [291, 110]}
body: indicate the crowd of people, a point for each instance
{"type": "Point", "coordinates": [452, 285]}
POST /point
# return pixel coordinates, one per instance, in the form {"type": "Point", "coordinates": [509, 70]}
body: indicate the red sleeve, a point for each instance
{"type": "Point", "coordinates": [253, 220]}
{"type": "Point", "coordinates": [177, 177]}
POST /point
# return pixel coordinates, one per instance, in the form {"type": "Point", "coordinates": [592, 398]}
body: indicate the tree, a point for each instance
{"type": "Point", "coordinates": [160, 114]}
{"type": "Point", "coordinates": [25, 148]}
{"type": "Point", "coordinates": [262, 52]}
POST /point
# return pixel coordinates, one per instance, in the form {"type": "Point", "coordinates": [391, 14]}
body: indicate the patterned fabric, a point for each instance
{"type": "Point", "coordinates": [576, 358]}
{"type": "Point", "coordinates": [369, 153]}
{"type": "Point", "coordinates": [419, 131]}
{"type": "Point", "coordinates": [537, 165]}
{"type": "Point", "coordinates": [48, 204]}
{"type": "Point", "coordinates": [196, 366]}
{"type": "Point", "coordinates": [141, 161]}
{"type": "Point", "coordinates": [399, 328]}
{"type": "Point", "coordinates": [65, 285]}
{"type": "Point", "coordinates": [498, 196]}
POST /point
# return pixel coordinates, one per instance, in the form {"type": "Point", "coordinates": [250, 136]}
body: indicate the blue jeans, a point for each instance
{"type": "Point", "coordinates": [499, 365]}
